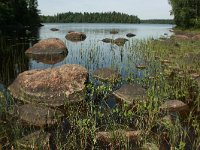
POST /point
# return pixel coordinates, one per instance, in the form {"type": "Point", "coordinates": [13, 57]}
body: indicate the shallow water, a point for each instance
{"type": "Point", "coordinates": [91, 53]}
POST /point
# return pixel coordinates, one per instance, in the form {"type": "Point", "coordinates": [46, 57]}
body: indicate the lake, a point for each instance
{"type": "Point", "coordinates": [91, 53]}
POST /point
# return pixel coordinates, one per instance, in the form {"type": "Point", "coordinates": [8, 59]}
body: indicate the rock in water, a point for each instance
{"type": "Point", "coordinates": [107, 75]}
{"type": "Point", "coordinates": [54, 29]}
{"type": "Point", "coordinates": [108, 40]}
{"type": "Point", "coordinates": [75, 36]}
{"type": "Point", "coordinates": [130, 93]}
{"type": "Point", "coordinates": [120, 41]}
{"type": "Point", "coordinates": [48, 46]}
{"type": "Point", "coordinates": [34, 140]}
{"type": "Point", "coordinates": [130, 35]}
{"type": "Point", "coordinates": [36, 115]}
{"type": "Point", "coordinates": [53, 86]}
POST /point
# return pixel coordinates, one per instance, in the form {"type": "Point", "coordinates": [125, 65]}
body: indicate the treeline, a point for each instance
{"type": "Point", "coordinates": [107, 17]}
{"type": "Point", "coordinates": [19, 13]}
{"type": "Point", "coordinates": [186, 13]}
{"type": "Point", "coordinates": [158, 21]}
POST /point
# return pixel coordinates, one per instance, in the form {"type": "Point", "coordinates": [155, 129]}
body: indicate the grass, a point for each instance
{"type": "Point", "coordinates": [171, 65]}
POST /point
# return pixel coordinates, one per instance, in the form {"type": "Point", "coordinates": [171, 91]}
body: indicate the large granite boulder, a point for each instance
{"type": "Point", "coordinates": [48, 46]}
{"type": "Point", "coordinates": [75, 36]}
{"type": "Point", "coordinates": [106, 75]}
{"type": "Point", "coordinates": [53, 86]}
{"type": "Point", "coordinates": [36, 115]}
{"type": "Point", "coordinates": [130, 93]}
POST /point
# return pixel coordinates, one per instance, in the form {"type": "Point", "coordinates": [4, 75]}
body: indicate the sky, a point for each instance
{"type": "Point", "coordinates": [144, 9]}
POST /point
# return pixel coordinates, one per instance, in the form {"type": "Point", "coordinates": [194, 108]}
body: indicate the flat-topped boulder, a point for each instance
{"type": "Point", "coordinates": [130, 93]}
{"type": "Point", "coordinates": [130, 35]}
{"type": "Point", "coordinates": [75, 36]}
{"type": "Point", "coordinates": [106, 75]}
{"type": "Point", "coordinates": [52, 87]}
{"type": "Point", "coordinates": [120, 41]}
{"type": "Point", "coordinates": [108, 40]}
{"type": "Point", "coordinates": [175, 106]}
{"type": "Point", "coordinates": [36, 115]}
{"type": "Point", "coordinates": [34, 140]}
{"type": "Point", "coordinates": [47, 47]}
{"type": "Point", "coordinates": [108, 137]}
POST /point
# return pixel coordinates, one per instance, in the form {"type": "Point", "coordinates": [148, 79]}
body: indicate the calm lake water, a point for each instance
{"type": "Point", "coordinates": [91, 53]}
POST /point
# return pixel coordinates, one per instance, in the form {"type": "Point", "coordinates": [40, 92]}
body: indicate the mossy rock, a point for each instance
{"type": "Point", "coordinates": [36, 140]}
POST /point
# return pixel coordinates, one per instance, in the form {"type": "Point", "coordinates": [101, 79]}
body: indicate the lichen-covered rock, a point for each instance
{"type": "Point", "coordinates": [107, 75]}
{"type": "Point", "coordinates": [120, 41]}
{"type": "Point", "coordinates": [48, 47]}
{"type": "Point", "coordinates": [36, 115]}
{"type": "Point", "coordinates": [130, 93]}
{"type": "Point", "coordinates": [75, 36]}
{"type": "Point", "coordinates": [53, 86]}
{"type": "Point", "coordinates": [34, 140]}
{"type": "Point", "coordinates": [130, 35]}
{"type": "Point", "coordinates": [175, 106]}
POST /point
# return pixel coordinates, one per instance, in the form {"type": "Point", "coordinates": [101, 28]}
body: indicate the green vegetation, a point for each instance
{"type": "Point", "coordinates": [186, 13]}
{"type": "Point", "coordinates": [108, 17]}
{"type": "Point", "coordinates": [169, 75]}
{"type": "Point", "coordinates": [158, 21]}
{"type": "Point", "coordinates": [19, 13]}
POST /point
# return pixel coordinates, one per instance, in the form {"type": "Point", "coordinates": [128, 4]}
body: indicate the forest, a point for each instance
{"type": "Point", "coordinates": [104, 17]}
{"type": "Point", "coordinates": [19, 13]}
{"type": "Point", "coordinates": [186, 13]}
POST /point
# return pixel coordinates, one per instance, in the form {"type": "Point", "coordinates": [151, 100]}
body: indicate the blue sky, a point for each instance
{"type": "Point", "coordinates": [144, 9]}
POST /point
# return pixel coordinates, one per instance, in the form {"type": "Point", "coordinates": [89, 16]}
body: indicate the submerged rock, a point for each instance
{"type": "Point", "coordinates": [75, 36]}
{"type": "Point", "coordinates": [54, 29]}
{"type": "Point", "coordinates": [106, 74]}
{"type": "Point", "coordinates": [175, 106]}
{"type": "Point", "coordinates": [130, 35]}
{"type": "Point", "coordinates": [34, 140]}
{"type": "Point", "coordinates": [47, 47]}
{"type": "Point", "coordinates": [53, 86]}
{"type": "Point", "coordinates": [108, 137]}
{"type": "Point", "coordinates": [120, 41]}
{"type": "Point", "coordinates": [107, 40]}
{"type": "Point", "coordinates": [36, 115]}
{"type": "Point", "coordinates": [130, 93]}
